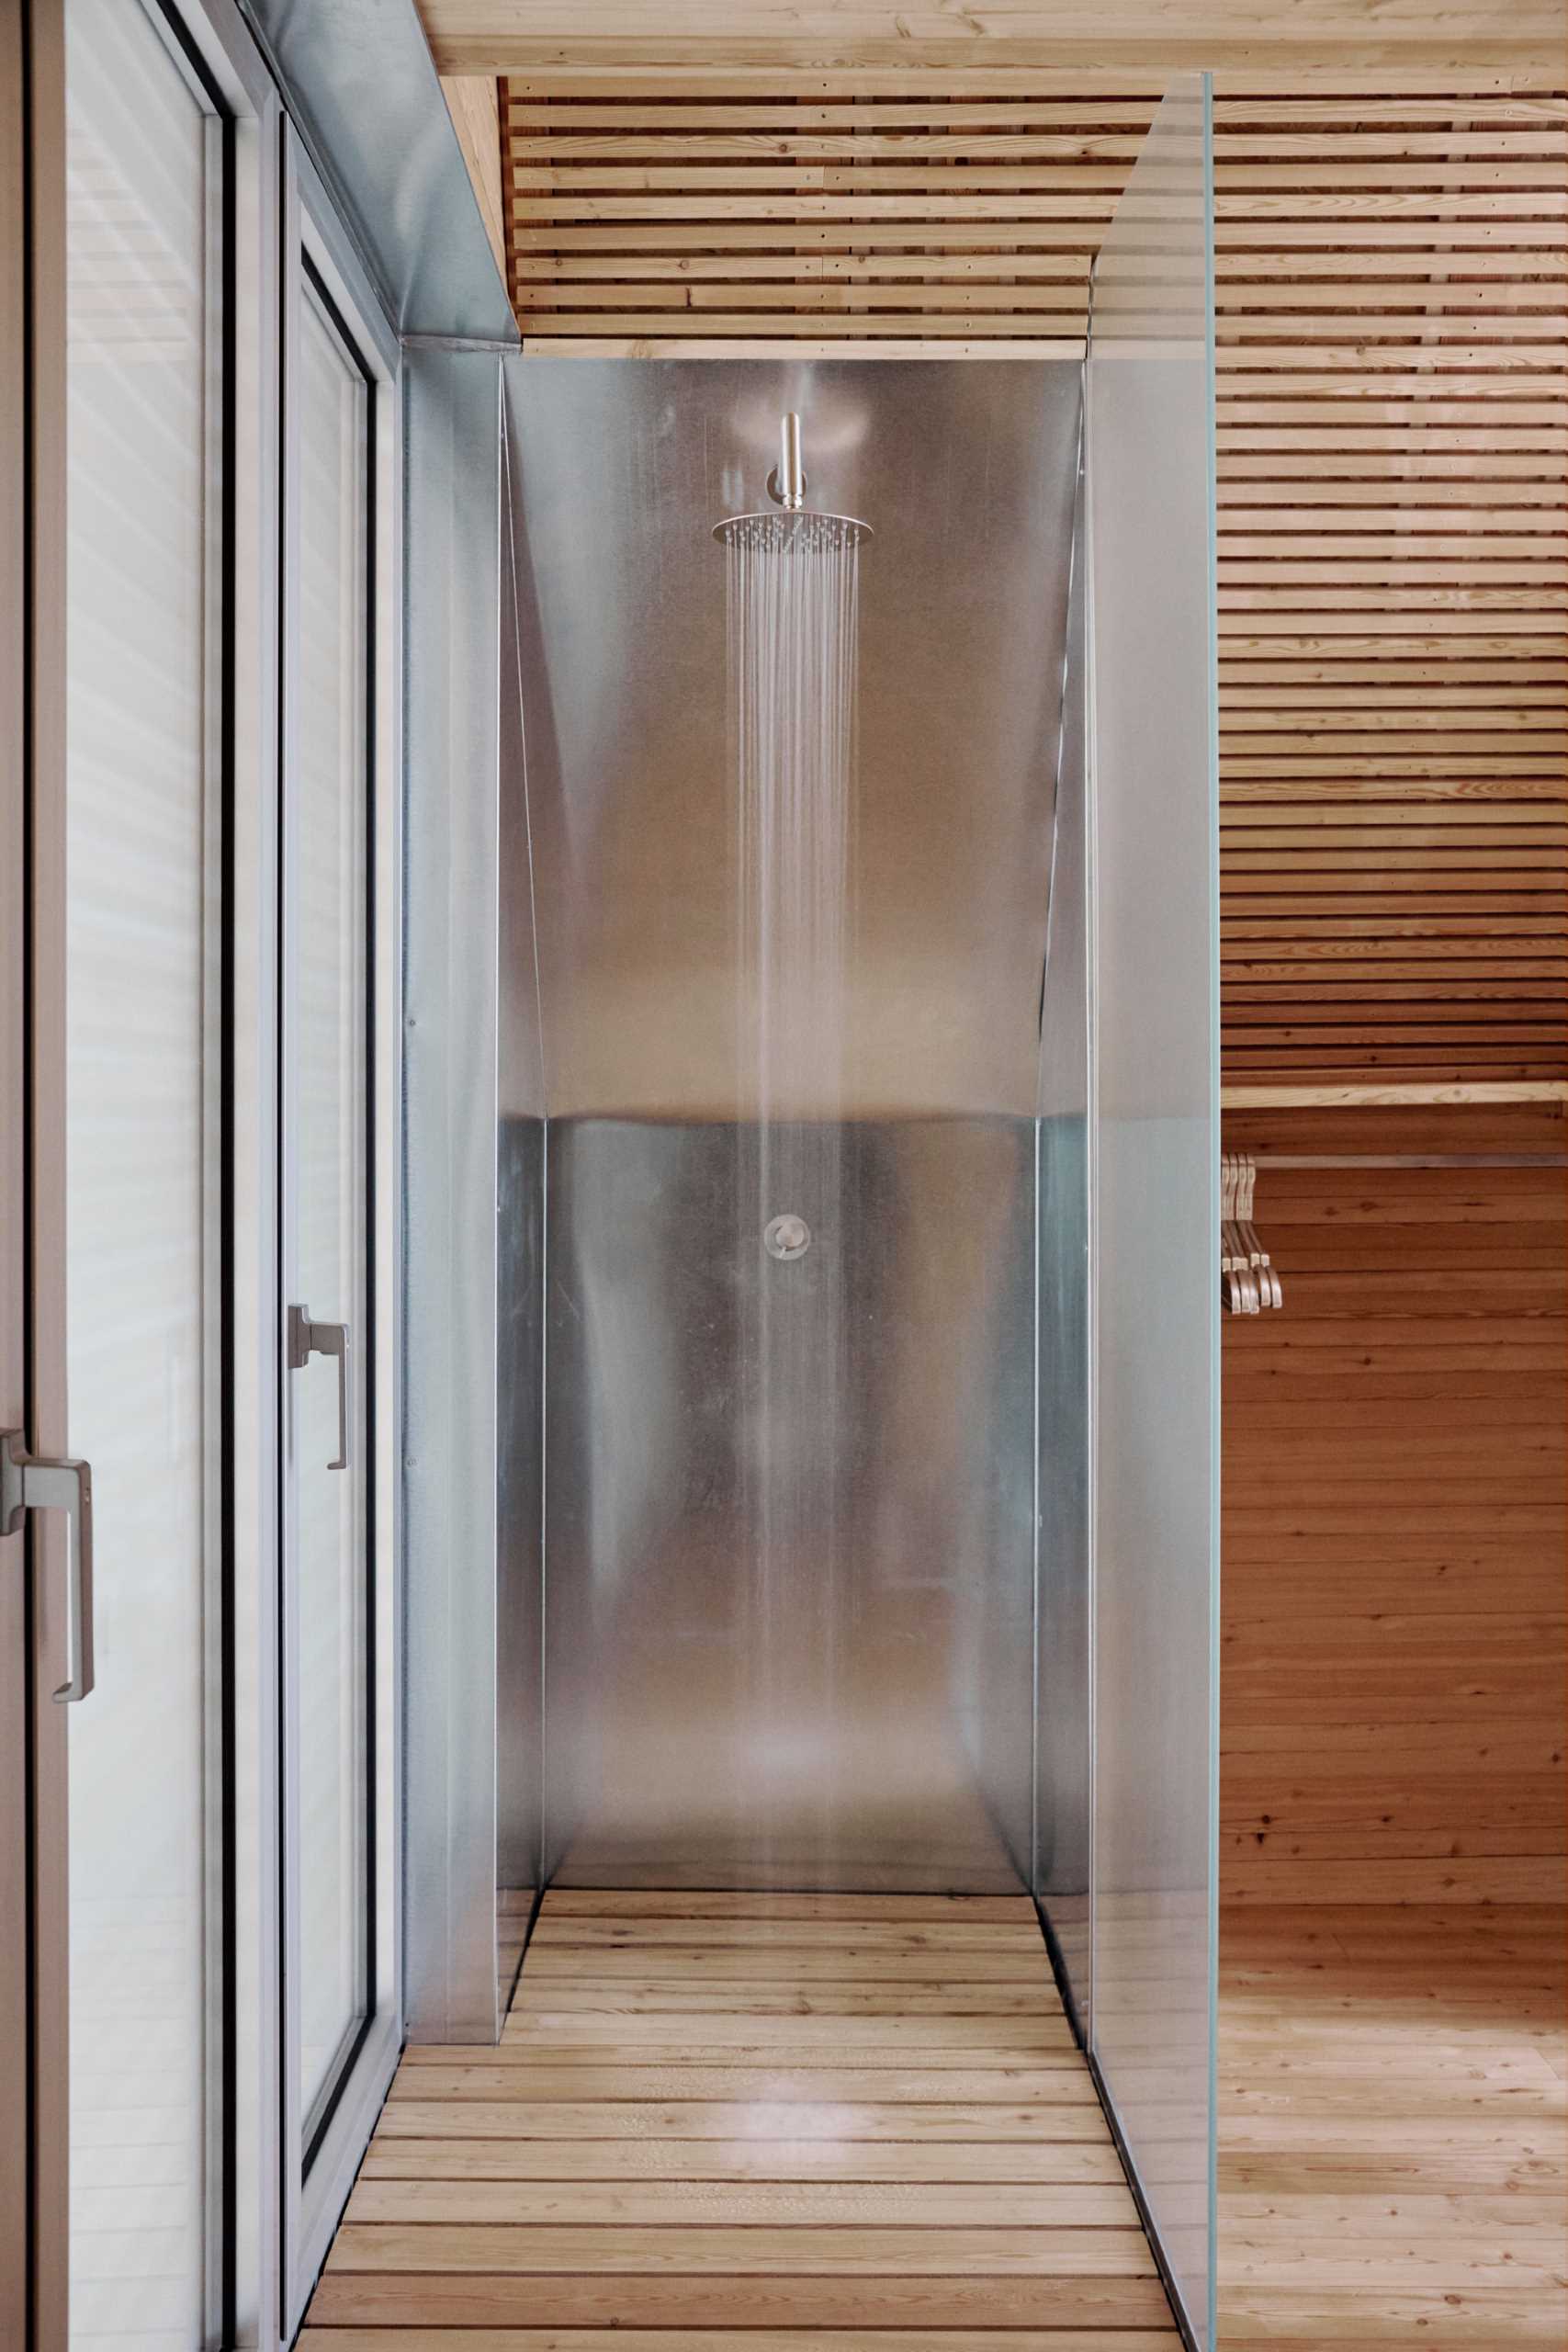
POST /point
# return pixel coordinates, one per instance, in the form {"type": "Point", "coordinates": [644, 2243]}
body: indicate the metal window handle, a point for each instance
{"type": "Point", "coordinates": [29, 1484]}
{"type": "Point", "coordinates": [306, 1340]}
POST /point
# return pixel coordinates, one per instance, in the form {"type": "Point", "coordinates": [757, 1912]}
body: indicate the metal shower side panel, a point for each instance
{"type": "Point", "coordinates": [452, 1458]}
{"type": "Point", "coordinates": [800, 1652]}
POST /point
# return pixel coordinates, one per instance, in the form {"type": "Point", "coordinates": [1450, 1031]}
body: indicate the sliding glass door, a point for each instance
{"type": "Point", "coordinates": [143, 617]}
{"type": "Point", "coordinates": [33, 2182]}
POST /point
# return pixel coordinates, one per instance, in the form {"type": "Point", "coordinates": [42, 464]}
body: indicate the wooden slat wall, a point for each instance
{"type": "Point", "coordinates": [1393, 1682]}
{"type": "Point", "coordinates": [1393, 438]}
{"type": "Point", "coordinates": [1394, 461]}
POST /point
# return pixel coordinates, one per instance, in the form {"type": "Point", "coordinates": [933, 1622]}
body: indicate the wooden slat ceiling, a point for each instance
{"type": "Point", "coordinates": [1392, 452]}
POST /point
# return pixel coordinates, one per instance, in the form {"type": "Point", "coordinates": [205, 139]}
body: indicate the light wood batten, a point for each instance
{"type": "Point", "coordinates": [698, 36]}
{"type": "Point", "coordinates": [472, 101]}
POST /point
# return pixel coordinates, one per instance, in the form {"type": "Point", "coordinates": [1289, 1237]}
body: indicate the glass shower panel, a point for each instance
{"type": "Point", "coordinates": [140, 581]}
{"type": "Point", "coordinates": [1062, 1747]}
{"type": "Point", "coordinates": [1155, 1146]}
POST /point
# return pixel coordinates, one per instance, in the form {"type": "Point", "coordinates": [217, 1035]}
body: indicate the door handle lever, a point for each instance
{"type": "Point", "coordinates": [28, 1482]}
{"type": "Point", "coordinates": [306, 1340]}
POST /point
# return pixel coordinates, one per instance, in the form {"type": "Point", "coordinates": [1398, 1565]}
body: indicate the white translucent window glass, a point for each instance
{"type": "Point", "coordinates": [325, 950]}
{"type": "Point", "coordinates": [137, 584]}
{"type": "Point", "coordinates": [1156, 1177]}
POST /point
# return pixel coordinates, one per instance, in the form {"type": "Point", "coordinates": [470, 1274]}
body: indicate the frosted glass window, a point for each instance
{"type": "Point", "coordinates": [137, 784]}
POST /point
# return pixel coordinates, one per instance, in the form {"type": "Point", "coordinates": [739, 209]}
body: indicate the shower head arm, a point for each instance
{"type": "Point", "coordinates": [786, 484]}
{"type": "Point", "coordinates": [787, 488]}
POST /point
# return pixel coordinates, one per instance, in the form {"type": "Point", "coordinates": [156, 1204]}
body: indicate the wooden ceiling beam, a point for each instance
{"type": "Point", "coordinates": [701, 39]}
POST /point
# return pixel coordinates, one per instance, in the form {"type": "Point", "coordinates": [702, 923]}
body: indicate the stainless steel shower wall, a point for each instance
{"type": "Point", "coordinates": [746, 1694]}
{"type": "Point", "coordinates": [965, 472]}
{"type": "Point", "coordinates": [790, 1619]}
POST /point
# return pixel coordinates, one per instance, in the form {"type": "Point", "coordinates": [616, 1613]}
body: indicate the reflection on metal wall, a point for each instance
{"type": "Point", "coordinates": [790, 1648]}
{"type": "Point", "coordinates": [1062, 1745]}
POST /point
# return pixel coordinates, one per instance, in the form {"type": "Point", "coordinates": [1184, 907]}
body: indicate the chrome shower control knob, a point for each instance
{"type": "Point", "coordinates": [787, 1236]}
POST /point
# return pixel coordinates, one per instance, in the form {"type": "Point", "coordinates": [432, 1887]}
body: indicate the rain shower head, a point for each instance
{"type": "Point", "coordinates": [793, 525]}
{"type": "Point", "coordinates": [773, 534]}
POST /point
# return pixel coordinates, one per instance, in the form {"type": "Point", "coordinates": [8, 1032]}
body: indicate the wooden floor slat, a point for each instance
{"type": "Point", "coordinates": [736, 2163]}
{"type": "Point", "coordinates": [1025, 2084]}
{"type": "Point", "coordinates": [818, 2120]}
{"type": "Point", "coordinates": [684, 2303]}
{"type": "Point", "coordinates": [942, 2205]}
{"type": "Point", "coordinates": [907, 1910]}
{"type": "Point", "coordinates": [672, 2119]}
{"type": "Point", "coordinates": [640, 2339]}
{"type": "Point", "coordinates": [803, 1966]}
{"type": "Point", "coordinates": [710, 1933]}
{"type": "Point", "coordinates": [687, 2250]}
{"type": "Point", "coordinates": [778, 1997]}
{"type": "Point", "coordinates": [811, 2040]}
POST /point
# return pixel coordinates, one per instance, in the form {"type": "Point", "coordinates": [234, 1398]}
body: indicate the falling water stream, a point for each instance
{"type": "Point", "coordinates": [792, 647]}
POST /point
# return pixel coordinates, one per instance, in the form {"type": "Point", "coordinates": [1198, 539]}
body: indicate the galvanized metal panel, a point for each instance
{"type": "Point", "coordinates": [358, 78]}
{"type": "Point", "coordinates": [790, 1630]}
{"type": "Point", "coordinates": [965, 472]}
{"type": "Point", "coordinates": [450, 994]}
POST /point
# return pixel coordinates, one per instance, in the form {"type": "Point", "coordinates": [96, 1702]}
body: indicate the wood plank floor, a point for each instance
{"type": "Point", "coordinates": [779, 2122]}
{"type": "Point", "coordinates": [1393, 2154]}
